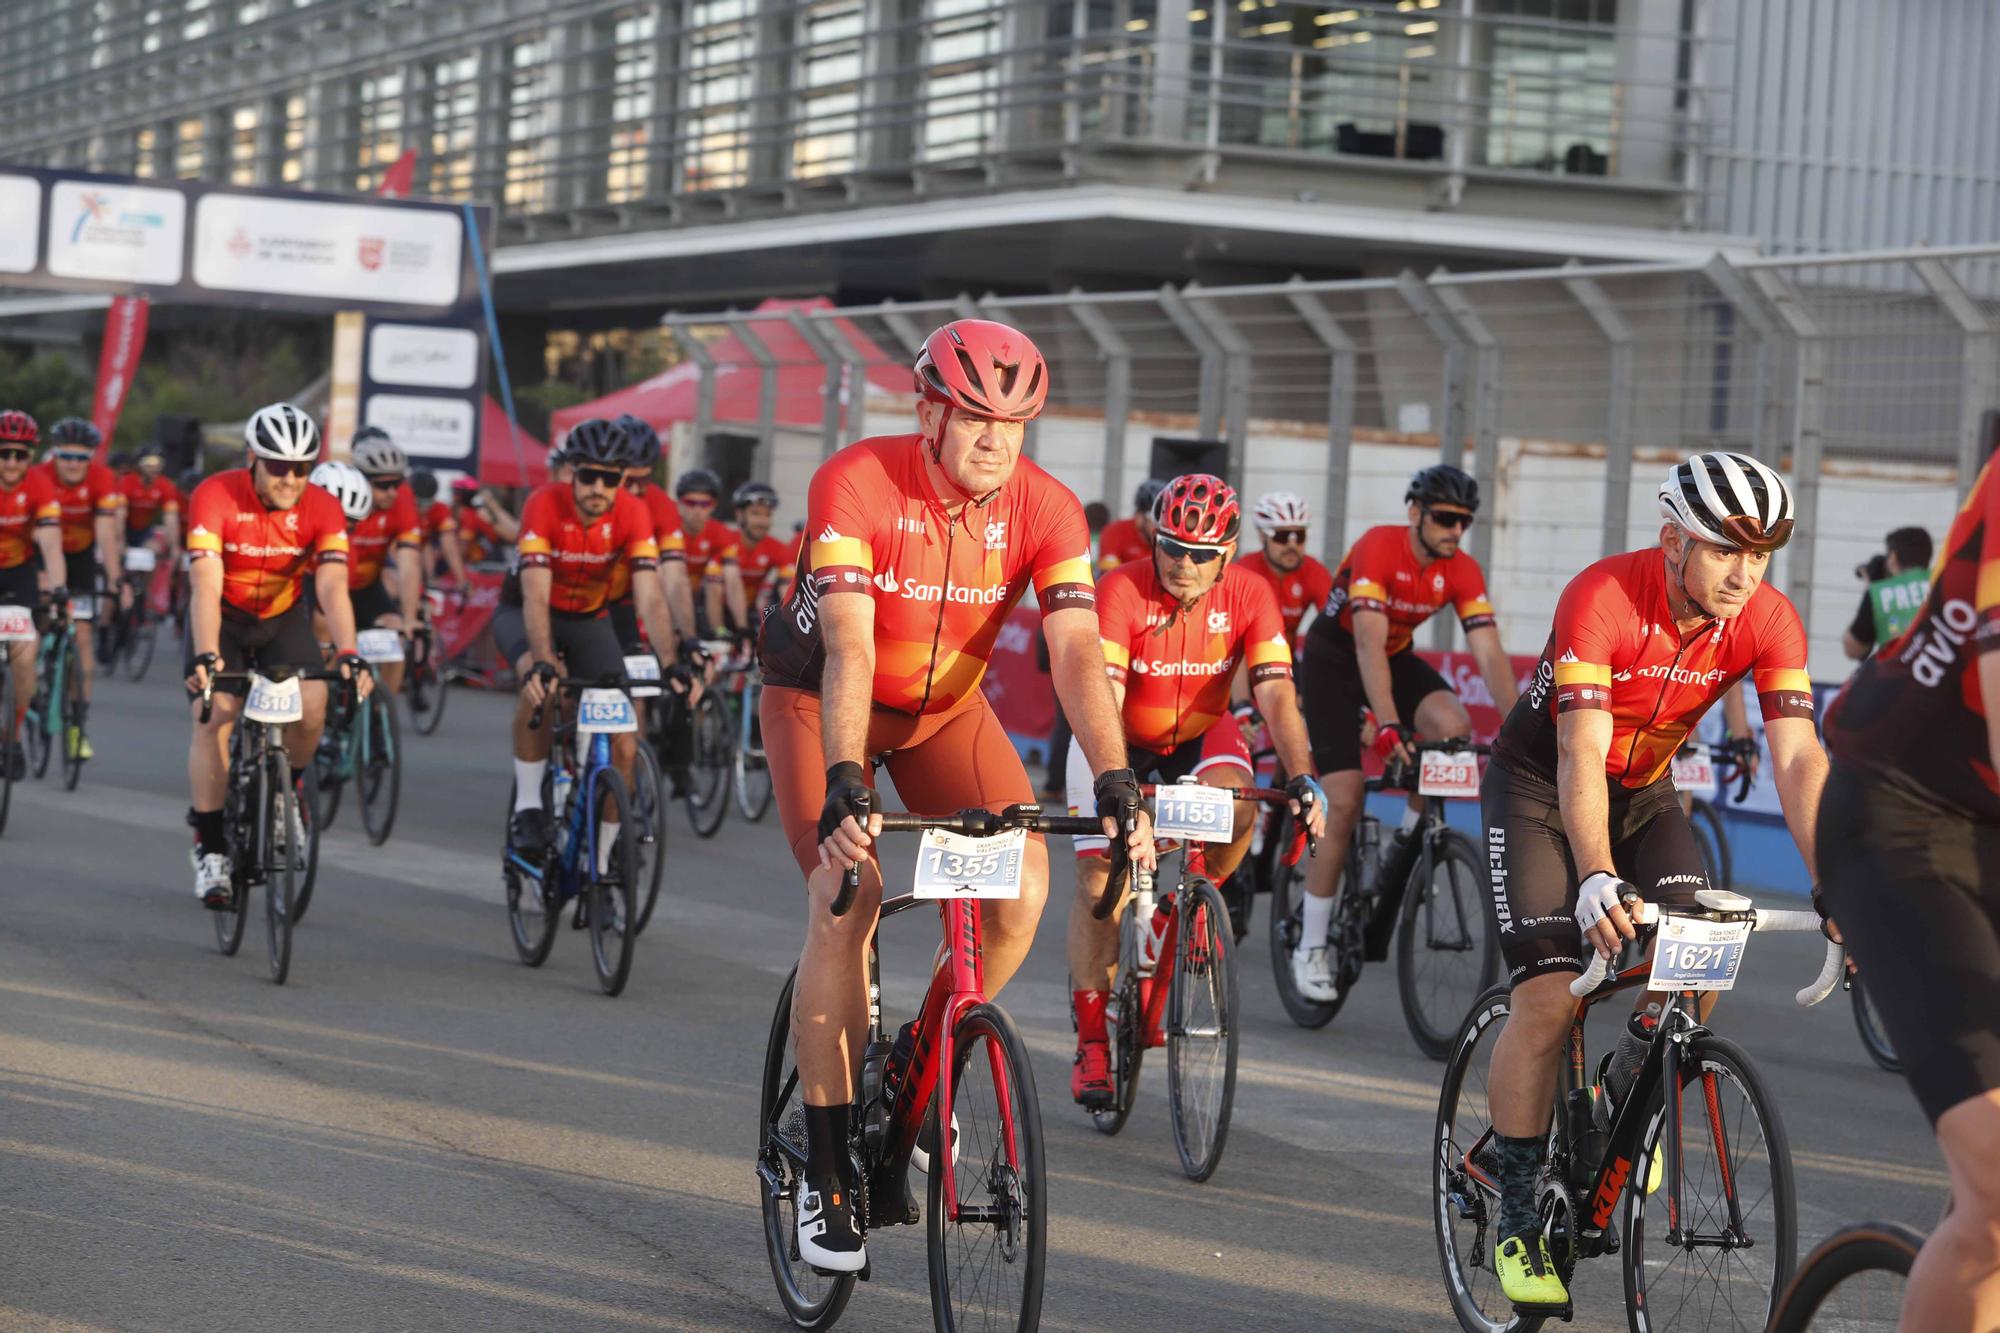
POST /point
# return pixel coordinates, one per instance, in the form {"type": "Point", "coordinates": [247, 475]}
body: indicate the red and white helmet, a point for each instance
{"type": "Point", "coordinates": [1198, 510]}
{"type": "Point", "coordinates": [1279, 510]}
{"type": "Point", "coordinates": [983, 369]}
{"type": "Point", "coordinates": [17, 427]}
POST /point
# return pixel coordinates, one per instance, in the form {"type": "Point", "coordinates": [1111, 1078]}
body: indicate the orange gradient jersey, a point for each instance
{"type": "Point", "coordinates": [265, 553]}
{"type": "Point", "coordinates": [1176, 664]}
{"type": "Point", "coordinates": [584, 553]}
{"type": "Point", "coordinates": [1121, 544]}
{"type": "Point", "coordinates": [1308, 585]}
{"type": "Point", "coordinates": [98, 493]}
{"type": "Point", "coordinates": [768, 560]}
{"type": "Point", "coordinates": [942, 584]}
{"type": "Point", "coordinates": [1381, 573]}
{"type": "Point", "coordinates": [29, 504]}
{"type": "Point", "coordinates": [1615, 647]}
{"type": "Point", "coordinates": [146, 500]}
{"type": "Point", "coordinates": [369, 544]}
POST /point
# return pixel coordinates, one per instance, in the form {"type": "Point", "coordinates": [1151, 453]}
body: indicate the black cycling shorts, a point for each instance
{"type": "Point", "coordinates": [625, 623]}
{"type": "Point", "coordinates": [1916, 890]}
{"type": "Point", "coordinates": [80, 571]}
{"type": "Point", "coordinates": [371, 604]}
{"type": "Point", "coordinates": [20, 586]}
{"type": "Point", "coordinates": [283, 640]}
{"type": "Point", "coordinates": [1329, 684]}
{"type": "Point", "coordinates": [1532, 878]}
{"type": "Point", "coordinates": [587, 645]}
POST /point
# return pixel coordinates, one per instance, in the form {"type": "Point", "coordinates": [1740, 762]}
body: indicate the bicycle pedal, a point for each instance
{"type": "Point", "coordinates": [1565, 1312]}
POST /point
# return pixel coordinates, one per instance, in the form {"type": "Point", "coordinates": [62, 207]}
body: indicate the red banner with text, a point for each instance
{"type": "Point", "coordinates": [124, 340]}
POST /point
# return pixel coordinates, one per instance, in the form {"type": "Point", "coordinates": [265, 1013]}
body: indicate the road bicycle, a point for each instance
{"type": "Point", "coordinates": [262, 815]}
{"type": "Point", "coordinates": [712, 746]}
{"type": "Point", "coordinates": [1176, 983]}
{"type": "Point", "coordinates": [583, 796]}
{"type": "Point", "coordinates": [127, 634]}
{"type": "Point", "coordinates": [1434, 889]}
{"type": "Point", "coordinates": [750, 771]}
{"type": "Point", "coordinates": [1700, 768]}
{"type": "Point", "coordinates": [1874, 1037]}
{"type": "Point", "coordinates": [363, 744]}
{"type": "Point", "coordinates": [426, 680]}
{"type": "Point", "coordinates": [1709, 1227]}
{"type": "Point", "coordinates": [1853, 1281]}
{"type": "Point", "coordinates": [58, 712]}
{"type": "Point", "coordinates": [649, 800]}
{"type": "Point", "coordinates": [966, 1066]}
{"type": "Point", "coordinates": [17, 626]}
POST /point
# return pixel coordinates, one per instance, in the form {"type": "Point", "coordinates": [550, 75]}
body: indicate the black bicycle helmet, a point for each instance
{"type": "Point", "coordinates": [599, 443]}
{"type": "Point", "coordinates": [698, 481]}
{"type": "Point", "coordinates": [754, 493]}
{"type": "Point", "coordinates": [423, 484]}
{"type": "Point", "coordinates": [74, 431]}
{"type": "Point", "coordinates": [1149, 491]}
{"type": "Point", "coordinates": [645, 439]}
{"type": "Point", "coordinates": [1444, 484]}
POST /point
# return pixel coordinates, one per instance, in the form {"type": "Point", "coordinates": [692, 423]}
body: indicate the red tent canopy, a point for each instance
{"type": "Point", "coordinates": [739, 381]}
{"type": "Point", "coordinates": [498, 465]}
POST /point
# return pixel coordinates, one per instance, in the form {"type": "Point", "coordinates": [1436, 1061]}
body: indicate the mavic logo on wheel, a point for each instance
{"type": "Point", "coordinates": [1496, 869]}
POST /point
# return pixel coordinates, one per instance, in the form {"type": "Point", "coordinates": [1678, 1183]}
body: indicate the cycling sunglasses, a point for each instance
{"type": "Point", "coordinates": [284, 467]}
{"type": "Point", "coordinates": [385, 483]}
{"type": "Point", "coordinates": [1200, 555]}
{"type": "Point", "coordinates": [71, 455]}
{"type": "Point", "coordinates": [16, 455]}
{"type": "Point", "coordinates": [697, 501]}
{"type": "Point", "coordinates": [1289, 536]}
{"type": "Point", "coordinates": [605, 478]}
{"type": "Point", "coordinates": [1455, 519]}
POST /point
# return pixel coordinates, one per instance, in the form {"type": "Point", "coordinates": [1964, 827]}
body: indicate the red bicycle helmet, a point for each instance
{"type": "Point", "coordinates": [985, 369]}
{"type": "Point", "coordinates": [18, 428]}
{"type": "Point", "coordinates": [1198, 510]}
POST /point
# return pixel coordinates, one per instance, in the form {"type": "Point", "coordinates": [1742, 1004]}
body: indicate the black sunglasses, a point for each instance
{"type": "Point", "coordinates": [1289, 536]}
{"type": "Point", "coordinates": [608, 478]}
{"type": "Point", "coordinates": [283, 467]}
{"type": "Point", "coordinates": [1449, 518]}
{"type": "Point", "coordinates": [1200, 555]}
{"type": "Point", "coordinates": [385, 483]}
{"type": "Point", "coordinates": [16, 455]}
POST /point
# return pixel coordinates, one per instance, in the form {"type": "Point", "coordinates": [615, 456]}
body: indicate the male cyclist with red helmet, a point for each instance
{"type": "Point", "coordinates": [1580, 810]}
{"type": "Point", "coordinates": [1282, 520]}
{"type": "Point", "coordinates": [93, 535]}
{"type": "Point", "coordinates": [1360, 650]}
{"type": "Point", "coordinates": [763, 559]}
{"type": "Point", "coordinates": [1175, 627]}
{"type": "Point", "coordinates": [917, 546]}
{"type": "Point", "coordinates": [30, 526]}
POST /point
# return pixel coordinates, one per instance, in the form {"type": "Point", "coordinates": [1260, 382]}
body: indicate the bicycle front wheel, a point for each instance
{"type": "Point", "coordinates": [1125, 1024]}
{"type": "Point", "coordinates": [75, 711]}
{"type": "Point", "coordinates": [1288, 895]}
{"type": "Point", "coordinates": [281, 858]}
{"type": "Point", "coordinates": [613, 914]}
{"type": "Point", "coordinates": [139, 646]}
{"type": "Point", "coordinates": [1874, 1037]}
{"type": "Point", "coordinates": [1446, 951]}
{"type": "Point", "coordinates": [427, 684]}
{"type": "Point", "coordinates": [1854, 1280]}
{"type": "Point", "coordinates": [378, 777]}
{"type": "Point", "coordinates": [310, 876]}
{"type": "Point", "coordinates": [708, 773]}
{"type": "Point", "coordinates": [1201, 1029]}
{"type": "Point", "coordinates": [39, 724]}
{"type": "Point", "coordinates": [750, 780]}
{"type": "Point", "coordinates": [649, 834]}
{"type": "Point", "coordinates": [10, 740]}
{"type": "Point", "coordinates": [811, 1298]}
{"type": "Point", "coordinates": [1723, 1262]}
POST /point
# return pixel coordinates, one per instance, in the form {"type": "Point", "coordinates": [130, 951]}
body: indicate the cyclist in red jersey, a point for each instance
{"type": "Point", "coordinates": [665, 519]}
{"type": "Point", "coordinates": [152, 505]}
{"type": "Point", "coordinates": [1297, 580]}
{"type": "Point", "coordinates": [1130, 539]}
{"type": "Point", "coordinates": [1359, 652]}
{"type": "Point", "coordinates": [710, 550]}
{"type": "Point", "coordinates": [388, 542]}
{"type": "Point", "coordinates": [93, 535]}
{"type": "Point", "coordinates": [30, 526]}
{"type": "Point", "coordinates": [1175, 629]}
{"type": "Point", "coordinates": [442, 546]}
{"type": "Point", "coordinates": [1909, 848]}
{"type": "Point", "coordinates": [574, 535]}
{"type": "Point", "coordinates": [254, 533]}
{"type": "Point", "coordinates": [484, 527]}
{"type": "Point", "coordinates": [1580, 810]}
{"type": "Point", "coordinates": [764, 560]}
{"type": "Point", "coordinates": [918, 547]}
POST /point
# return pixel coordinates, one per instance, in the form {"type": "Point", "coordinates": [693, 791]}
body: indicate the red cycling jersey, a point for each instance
{"type": "Point", "coordinates": [942, 585]}
{"type": "Point", "coordinates": [1915, 712]}
{"type": "Point", "coordinates": [1381, 573]}
{"type": "Point", "coordinates": [1308, 585]}
{"type": "Point", "coordinates": [265, 553]}
{"type": "Point", "coordinates": [96, 494]}
{"type": "Point", "coordinates": [1121, 544]}
{"type": "Point", "coordinates": [438, 520]}
{"type": "Point", "coordinates": [368, 544]}
{"type": "Point", "coordinates": [1615, 646]}
{"type": "Point", "coordinates": [28, 504]}
{"type": "Point", "coordinates": [482, 540]}
{"type": "Point", "coordinates": [146, 500]}
{"type": "Point", "coordinates": [758, 560]}
{"type": "Point", "coordinates": [1176, 664]}
{"type": "Point", "coordinates": [584, 553]}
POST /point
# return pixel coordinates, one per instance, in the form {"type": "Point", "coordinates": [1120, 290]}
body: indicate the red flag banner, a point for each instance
{"type": "Point", "coordinates": [124, 340]}
{"type": "Point", "coordinates": [401, 176]}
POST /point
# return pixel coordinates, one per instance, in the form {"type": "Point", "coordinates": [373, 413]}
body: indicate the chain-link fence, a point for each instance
{"type": "Point", "coordinates": [1872, 379]}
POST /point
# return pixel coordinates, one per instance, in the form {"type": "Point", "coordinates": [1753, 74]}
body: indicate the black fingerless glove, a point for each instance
{"type": "Point", "coordinates": [1117, 793]}
{"type": "Point", "coordinates": [847, 793]}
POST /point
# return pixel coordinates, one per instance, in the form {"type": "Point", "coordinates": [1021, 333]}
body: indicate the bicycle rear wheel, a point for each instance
{"type": "Point", "coordinates": [649, 827]}
{"type": "Point", "coordinates": [613, 914]}
{"type": "Point", "coordinates": [378, 776]}
{"type": "Point", "coordinates": [533, 910]}
{"type": "Point", "coordinates": [708, 772]}
{"type": "Point", "coordinates": [76, 711]}
{"type": "Point", "coordinates": [750, 780]}
{"type": "Point", "coordinates": [1125, 1024]}
{"type": "Point", "coordinates": [812, 1299]}
{"type": "Point", "coordinates": [1201, 1029]}
{"type": "Point", "coordinates": [280, 860]}
{"type": "Point", "coordinates": [1874, 1037]}
{"type": "Point", "coordinates": [1854, 1280]}
{"type": "Point", "coordinates": [328, 759]}
{"type": "Point", "coordinates": [10, 739]}
{"type": "Point", "coordinates": [140, 644]}
{"type": "Point", "coordinates": [987, 1242]}
{"type": "Point", "coordinates": [40, 705]}
{"type": "Point", "coordinates": [429, 683]}
{"type": "Point", "coordinates": [1732, 1143]}
{"type": "Point", "coordinates": [310, 877]}
{"type": "Point", "coordinates": [1446, 951]}
{"type": "Point", "coordinates": [1288, 892]}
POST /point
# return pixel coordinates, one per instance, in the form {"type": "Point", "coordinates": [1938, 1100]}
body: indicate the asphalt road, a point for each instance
{"type": "Point", "coordinates": [417, 1132]}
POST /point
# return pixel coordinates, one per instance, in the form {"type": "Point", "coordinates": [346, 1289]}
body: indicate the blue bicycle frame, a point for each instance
{"type": "Point", "coordinates": [579, 855]}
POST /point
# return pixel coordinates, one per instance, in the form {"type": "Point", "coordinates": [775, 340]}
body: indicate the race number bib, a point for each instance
{"type": "Point", "coordinates": [1448, 773]}
{"type": "Point", "coordinates": [605, 713]}
{"type": "Point", "coordinates": [83, 608]}
{"type": "Point", "coordinates": [275, 701]}
{"type": "Point", "coordinates": [1694, 772]}
{"type": "Point", "coordinates": [140, 560]}
{"type": "Point", "coordinates": [377, 646]}
{"type": "Point", "coordinates": [1194, 813]}
{"type": "Point", "coordinates": [17, 625]}
{"type": "Point", "coordinates": [643, 670]}
{"type": "Point", "coordinates": [1692, 954]}
{"type": "Point", "coordinates": [954, 865]}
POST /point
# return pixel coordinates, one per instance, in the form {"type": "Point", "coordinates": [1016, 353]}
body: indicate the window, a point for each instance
{"type": "Point", "coordinates": [454, 124]}
{"type": "Point", "coordinates": [190, 147]}
{"type": "Point", "coordinates": [828, 75]}
{"type": "Point", "coordinates": [961, 79]}
{"type": "Point", "coordinates": [630, 85]}
{"type": "Point", "coordinates": [196, 21]}
{"type": "Point", "coordinates": [243, 125]}
{"type": "Point", "coordinates": [292, 139]}
{"type": "Point", "coordinates": [145, 159]}
{"type": "Point", "coordinates": [1553, 95]}
{"type": "Point", "coordinates": [378, 126]}
{"type": "Point", "coordinates": [529, 118]}
{"type": "Point", "coordinates": [718, 79]}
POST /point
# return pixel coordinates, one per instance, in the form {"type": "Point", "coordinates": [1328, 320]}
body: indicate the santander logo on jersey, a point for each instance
{"type": "Point", "coordinates": [934, 592]}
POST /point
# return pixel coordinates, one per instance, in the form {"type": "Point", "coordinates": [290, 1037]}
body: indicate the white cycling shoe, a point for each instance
{"type": "Point", "coordinates": [920, 1155]}
{"type": "Point", "coordinates": [211, 878]}
{"type": "Point", "coordinates": [1312, 974]}
{"type": "Point", "coordinates": [828, 1238]}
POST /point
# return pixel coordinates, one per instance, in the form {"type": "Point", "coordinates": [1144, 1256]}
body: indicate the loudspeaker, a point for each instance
{"type": "Point", "coordinates": [179, 439]}
{"type": "Point", "coordinates": [1173, 457]}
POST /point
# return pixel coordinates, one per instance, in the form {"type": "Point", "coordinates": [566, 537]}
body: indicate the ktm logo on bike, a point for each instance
{"type": "Point", "coordinates": [1607, 1193]}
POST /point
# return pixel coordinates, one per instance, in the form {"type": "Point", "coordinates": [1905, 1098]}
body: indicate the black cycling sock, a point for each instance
{"type": "Point", "coordinates": [208, 836]}
{"type": "Point", "coordinates": [1520, 1163]}
{"type": "Point", "coordinates": [827, 1158]}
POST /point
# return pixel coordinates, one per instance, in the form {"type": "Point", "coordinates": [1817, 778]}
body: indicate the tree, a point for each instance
{"type": "Point", "coordinates": [45, 385]}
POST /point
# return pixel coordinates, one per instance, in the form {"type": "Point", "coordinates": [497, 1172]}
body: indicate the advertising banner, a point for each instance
{"type": "Point", "coordinates": [124, 340]}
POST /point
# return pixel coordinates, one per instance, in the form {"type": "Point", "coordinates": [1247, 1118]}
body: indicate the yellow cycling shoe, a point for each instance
{"type": "Point", "coordinates": [78, 744]}
{"type": "Point", "coordinates": [1528, 1276]}
{"type": "Point", "coordinates": [1655, 1170]}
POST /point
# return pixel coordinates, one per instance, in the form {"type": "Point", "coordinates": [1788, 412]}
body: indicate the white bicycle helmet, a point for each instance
{"type": "Point", "coordinates": [377, 455]}
{"type": "Point", "coordinates": [282, 431]}
{"type": "Point", "coordinates": [1280, 509]}
{"type": "Point", "coordinates": [346, 484]}
{"type": "Point", "coordinates": [1729, 500]}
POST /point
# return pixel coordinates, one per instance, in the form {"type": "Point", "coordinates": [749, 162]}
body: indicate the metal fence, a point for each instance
{"type": "Point", "coordinates": [1871, 378]}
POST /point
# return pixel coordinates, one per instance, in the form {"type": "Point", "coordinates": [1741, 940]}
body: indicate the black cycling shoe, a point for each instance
{"type": "Point", "coordinates": [530, 833]}
{"type": "Point", "coordinates": [17, 763]}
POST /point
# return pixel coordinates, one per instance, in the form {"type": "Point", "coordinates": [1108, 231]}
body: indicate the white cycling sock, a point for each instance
{"type": "Point", "coordinates": [1318, 917]}
{"type": "Point", "coordinates": [607, 838]}
{"type": "Point", "coordinates": [528, 783]}
{"type": "Point", "coordinates": [1412, 816]}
